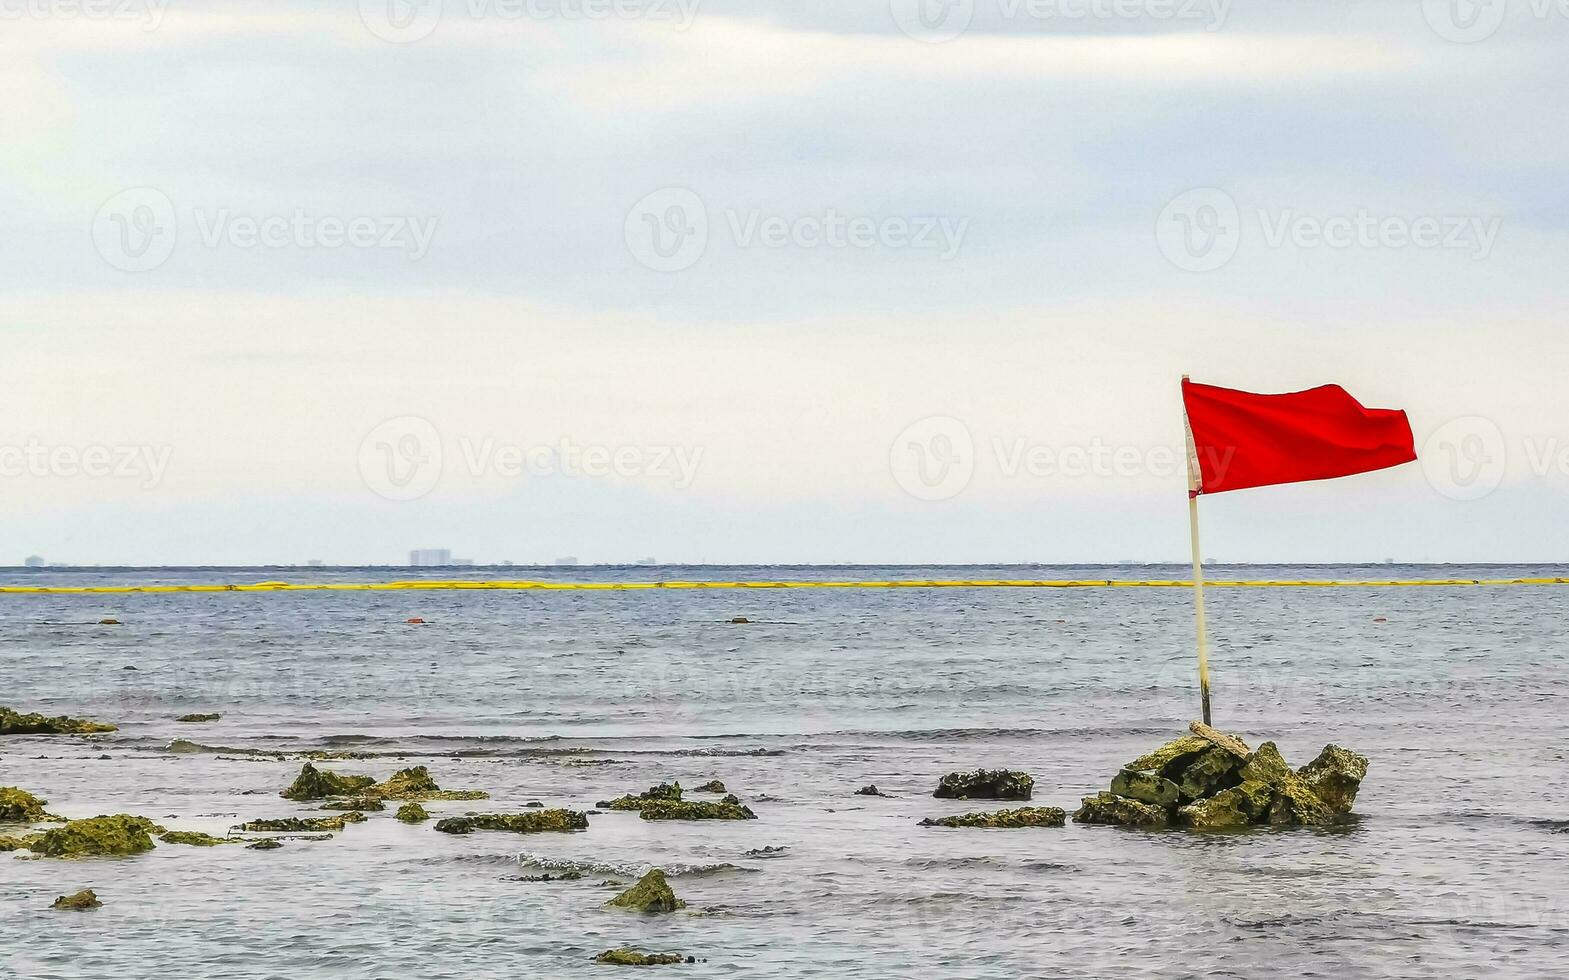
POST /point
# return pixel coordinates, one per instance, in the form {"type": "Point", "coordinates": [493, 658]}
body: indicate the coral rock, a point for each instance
{"type": "Point", "coordinates": [985, 784]}
{"type": "Point", "coordinates": [537, 822]}
{"type": "Point", "coordinates": [652, 893]}
{"type": "Point", "coordinates": [1238, 806]}
{"type": "Point", "coordinates": [686, 810]}
{"type": "Point", "coordinates": [198, 719]}
{"type": "Point", "coordinates": [1028, 816]}
{"type": "Point", "coordinates": [1294, 803]}
{"type": "Point", "coordinates": [97, 836]}
{"type": "Point", "coordinates": [318, 784]}
{"type": "Point", "coordinates": [631, 957]}
{"type": "Point", "coordinates": [20, 806]}
{"type": "Point", "coordinates": [80, 902]}
{"type": "Point", "coordinates": [713, 786]}
{"type": "Point", "coordinates": [302, 825]}
{"type": "Point", "coordinates": [1214, 771]}
{"type": "Point", "coordinates": [364, 803]}
{"type": "Point", "coordinates": [663, 793]}
{"type": "Point", "coordinates": [412, 813]}
{"type": "Point", "coordinates": [194, 838]}
{"type": "Point", "coordinates": [417, 784]}
{"type": "Point", "coordinates": [1146, 787]}
{"type": "Point", "coordinates": [1335, 776]}
{"type": "Point", "coordinates": [14, 723]}
{"type": "Point", "coordinates": [1107, 808]}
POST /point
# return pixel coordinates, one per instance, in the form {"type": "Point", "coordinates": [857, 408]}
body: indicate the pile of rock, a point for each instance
{"type": "Point", "coordinates": [1212, 780]}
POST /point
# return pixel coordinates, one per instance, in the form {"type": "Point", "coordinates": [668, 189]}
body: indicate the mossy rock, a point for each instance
{"type": "Point", "coordinates": [302, 825]}
{"type": "Point", "coordinates": [412, 813]}
{"type": "Point", "coordinates": [14, 723]}
{"type": "Point", "coordinates": [1295, 803]}
{"type": "Point", "coordinates": [631, 957]}
{"type": "Point", "coordinates": [1146, 787]}
{"type": "Point", "coordinates": [198, 719]}
{"type": "Point", "coordinates": [97, 837]}
{"type": "Point", "coordinates": [985, 784]}
{"type": "Point", "coordinates": [368, 804]}
{"type": "Point", "coordinates": [712, 786]}
{"type": "Point", "coordinates": [1027, 816]}
{"type": "Point", "coordinates": [20, 806]}
{"type": "Point", "coordinates": [652, 893]}
{"type": "Point", "coordinates": [1172, 757]}
{"type": "Point", "coordinates": [691, 810]}
{"type": "Point", "coordinates": [1335, 776]}
{"type": "Point", "coordinates": [194, 838]}
{"type": "Point", "coordinates": [536, 822]}
{"type": "Point", "coordinates": [1119, 811]}
{"type": "Point", "coordinates": [417, 785]}
{"type": "Point", "coordinates": [82, 901]}
{"type": "Point", "coordinates": [268, 844]}
{"type": "Point", "coordinates": [23, 842]}
{"type": "Point", "coordinates": [663, 793]}
{"type": "Point", "coordinates": [1210, 773]}
{"type": "Point", "coordinates": [1239, 806]}
{"type": "Point", "coordinates": [319, 784]}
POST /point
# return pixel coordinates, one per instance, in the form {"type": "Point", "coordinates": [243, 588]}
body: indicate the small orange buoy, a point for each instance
{"type": "Point", "coordinates": [1380, 619]}
{"type": "Point", "coordinates": [415, 621]}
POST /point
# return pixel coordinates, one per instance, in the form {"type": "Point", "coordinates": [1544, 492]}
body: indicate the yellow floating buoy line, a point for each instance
{"type": "Point", "coordinates": [525, 586]}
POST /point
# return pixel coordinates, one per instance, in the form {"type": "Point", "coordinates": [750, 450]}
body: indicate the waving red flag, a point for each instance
{"type": "Point", "coordinates": [1246, 440]}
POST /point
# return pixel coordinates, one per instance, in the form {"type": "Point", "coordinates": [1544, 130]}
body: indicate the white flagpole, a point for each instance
{"type": "Point", "coordinates": [1195, 484]}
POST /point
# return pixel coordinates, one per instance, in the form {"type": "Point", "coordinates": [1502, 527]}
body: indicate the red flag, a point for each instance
{"type": "Point", "coordinates": [1245, 440]}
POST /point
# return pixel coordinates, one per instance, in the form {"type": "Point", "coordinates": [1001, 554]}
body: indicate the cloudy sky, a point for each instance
{"type": "Point", "coordinates": [787, 281]}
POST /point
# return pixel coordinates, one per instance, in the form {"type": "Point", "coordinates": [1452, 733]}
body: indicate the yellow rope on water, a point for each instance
{"type": "Point", "coordinates": [435, 586]}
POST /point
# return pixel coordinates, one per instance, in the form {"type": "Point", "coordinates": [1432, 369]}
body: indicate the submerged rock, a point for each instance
{"type": "Point", "coordinates": [416, 784]}
{"type": "Point", "coordinates": [1239, 806]}
{"type": "Point", "coordinates": [80, 902]}
{"type": "Point", "coordinates": [198, 719]}
{"type": "Point", "coordinates": [537, 822]}
{"type": "Point", "coordinates": [1108, 808]}
{"type": "Point", "coordinates": [1146, 787]}
{"type": "Point", "coordinates": [871, 790]}
{"type": "Point", "coordinates": [97, 836]}
{"type": "Point", "coordinates": [1027, 816]}
{"type": "Point", "coordinates": [663, 793]}
{"type": "Point", "coordinates": [631, 957]}
{"type": "Point", "coordinates": [301, 825]}
{"type": "Point", "coordinates": [547, 878]}
{"type": "Point", "coordinates": [652, 893]}
{"type": "Point", "coordinates": [712, 786]}
{"type": "Point", "coordinates": [768, 851]}
{"type": "Point", "coordinates": [24, 842]}
{"type": "Point", "coordinates": [15, 723]}
{"type": "Point", "coordinates": [985, 784]}
{"type": "Point", "coordinates": [269, 844]}
{"type": "Point", "coordinates": [690, 810]}
{"type": "Point", "coordinates": [368, 804]}
{"type": "Point", "coordinates": [412, 813]}
{"type": "Point", "coordinates": [1335, 776]}
{"type": "Point", "coordinates": [194, 838]}
{"type": "Point", "coordinates": [19, 806]}
{"type": "Point", "coordinates": [319, 784]}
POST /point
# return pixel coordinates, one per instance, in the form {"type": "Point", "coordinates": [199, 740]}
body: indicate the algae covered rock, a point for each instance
{"type": "Point", "coordinates": [198, 719]}
{"type": "Point", "coordinates": [652, 893]}
{"type": "Point", "coordinates": [417, 784]}
{"type": "Point", "coordinates": [1212, 772]}
{"type": "Point", "coordinates": [80, 902]}
{"type": "Point", "coordinates": [1172, 756]}
{"type": "Point", "coordinates": [536, 822]}
{"type": "Point", "coordinates": [631, 957]}
{"type": "Point", "coordinates": [194, 838]}
{"type": "Point", "coordinates": [19, 806]}
{"type": "Point", "coordinates": [1119, 811]}
{"type": "Point", "coordinates": [24, 842]}
{"type": "Point", "coordinates": [712, 786]}
{"type": "Point", "coordinates": [319, 784]}
{"type": "Point", "coordinates": [1335, 776]}
{"type": "Point", "coordinates": [1239, 806]}
{"type": "Point", "coordinates": [985, 784]}
{"type": "Point", "coordinates": [301, 825]}
{"type": "Point", "coordinates": [1027, 816]}
{"type": "Point", "coordinates": [267, 844]}
{"type": "Point", "coordinates": [663, 793]}
{"type": "Point", "coordinates": [1294, 802]}
{"type": "Point", "coordinates": [412, 813]}
{"type": "Point", "coordinates": [369, 804]}
{"type": "Point", "coordinates": [1146, 787]}
{"type": "Point", "coordinates": [97, 837]}
{"type": "Point", "coordinates": [689, 810]}
{"type": "Point", "coordinates": [14, 723]}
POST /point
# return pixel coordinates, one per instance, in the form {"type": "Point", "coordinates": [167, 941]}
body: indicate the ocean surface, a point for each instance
{"type": "Point", "coordinates": [1457, 867]}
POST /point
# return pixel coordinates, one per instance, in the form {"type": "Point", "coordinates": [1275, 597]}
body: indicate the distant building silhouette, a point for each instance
{"type": "Point", "coordinates": [430, 556]}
